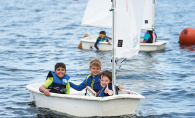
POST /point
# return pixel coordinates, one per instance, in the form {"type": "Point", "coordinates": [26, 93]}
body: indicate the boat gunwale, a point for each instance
{"type": "Point", "coordinates": [92, 39]}
{"type": "Point", "coordinates": [157, 43]}
{"type": "Point", "coordinates": [101, 99]}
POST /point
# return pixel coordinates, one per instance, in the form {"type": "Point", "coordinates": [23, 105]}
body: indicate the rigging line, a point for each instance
{"type": "Point", "coordinates": [120, 65]}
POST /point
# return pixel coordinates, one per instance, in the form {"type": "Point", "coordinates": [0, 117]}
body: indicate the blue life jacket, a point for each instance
{"type": "Point", "coordinates": [58, 83]}
{"type": "Point", "coordinates": [101, 93]}
{"type": "Point", "coordinates": [104, 40]}
{"type": "Point", "coordinates": [93, 82]}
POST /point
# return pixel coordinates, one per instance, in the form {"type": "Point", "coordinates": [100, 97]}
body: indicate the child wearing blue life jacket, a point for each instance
{"type": "Point", "coordinates": [57, 81]}
{"type": "Point", "coordinates": [102, 37]}
{"type": "Point", "coordinates": [92, 79]}
{"type": "Point", "coordinates": [106, 82]}
{"type": "Point", "coordinates": [148, 37]}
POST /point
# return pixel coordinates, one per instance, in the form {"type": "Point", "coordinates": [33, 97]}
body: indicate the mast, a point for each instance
{"type": "Point", "coordinates": [153, 15]}
{"type": "Point", "coordinates": [113, 47]}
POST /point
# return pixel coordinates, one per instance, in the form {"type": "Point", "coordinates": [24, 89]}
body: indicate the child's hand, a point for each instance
{"type": "Point", "coordinates": [120, 88]}
{"type": "Point", "coordinates": [46, 92]}
{"type": "Point", "coordinates": [110, 92]}
{"type": "Point", "coordinates": [106, 90]}
{"type": "Point", "coordinates": [109, 42]}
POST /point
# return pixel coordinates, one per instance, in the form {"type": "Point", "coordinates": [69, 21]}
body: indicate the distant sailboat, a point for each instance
{"type": "Point", "coordinates": [125, 45]}
{"type": "Point", "coordinates": [97, 14]}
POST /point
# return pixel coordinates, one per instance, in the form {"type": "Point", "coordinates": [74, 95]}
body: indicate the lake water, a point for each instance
{"type": "Point", "coordinates": [36, 34]}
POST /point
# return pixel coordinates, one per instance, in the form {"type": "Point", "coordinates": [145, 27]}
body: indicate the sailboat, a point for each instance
{"type": "Point", "coordinates": [97, 14]}
{"type": "Point", "coordinates": [78, 103]}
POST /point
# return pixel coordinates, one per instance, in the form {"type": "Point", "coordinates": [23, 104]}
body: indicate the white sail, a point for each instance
{"type": "Point", "coordinates": [97, 14]}
{"type": "Point", "coordinates": [128, 21]}
{"type": "Point", "coordinates": [149, 15]}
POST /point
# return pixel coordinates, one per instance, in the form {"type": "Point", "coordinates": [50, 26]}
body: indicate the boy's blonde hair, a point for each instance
{"type": "Point", "coordinates": [95, 62]}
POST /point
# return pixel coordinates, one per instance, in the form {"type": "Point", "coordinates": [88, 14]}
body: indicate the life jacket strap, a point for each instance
{"type": "Point", "coordinates": [98, 93]}
{"type": "Point", "coordinates": [58, 85]}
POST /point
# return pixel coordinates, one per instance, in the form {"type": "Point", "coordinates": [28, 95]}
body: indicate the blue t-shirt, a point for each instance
{"type": "Point", "coordinates": [147, 36]}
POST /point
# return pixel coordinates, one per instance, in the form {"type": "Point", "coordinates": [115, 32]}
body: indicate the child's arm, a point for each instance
{"type": "Point", "coordinates": [44, 90]}
{"type": "Point", "coordinates": [146, 37]}
{"type": "Point", "coordinates": [120, 88]}
{"type": "Point", "coordinates": [109, 38]}
{"type": "Point", "coordinates": [97, 41]}
{"type": "Point", "coordinates": [44, 87]}
{"type": "Point", "coordinates": [78, 87]}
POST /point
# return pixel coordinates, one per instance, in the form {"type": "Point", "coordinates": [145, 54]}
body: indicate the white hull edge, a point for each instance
{"type": "Point", "coordinates": [88, 44]}
{"type": "Point", "coordinates": [158, 45]}
{"type": "Point", "coordinates": [77, 104]}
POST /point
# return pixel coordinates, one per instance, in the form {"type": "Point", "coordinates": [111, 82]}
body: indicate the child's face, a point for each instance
{"type": "Point", "coordinates": [95, 70]}
{"type": "Point", "coordinates": [60, 72]}
{"type": "Point", "coordinates": [102, 36]}
{"type": "Point", "coordinates": [105, 81]}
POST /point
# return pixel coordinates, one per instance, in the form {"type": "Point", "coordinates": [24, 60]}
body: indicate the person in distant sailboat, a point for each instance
{"type": "Point", "coordinates": [102, 37]}
{"type": "Point", "coordinates": [148, 37]}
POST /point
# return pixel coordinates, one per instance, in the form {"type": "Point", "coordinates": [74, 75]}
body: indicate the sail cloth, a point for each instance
{"type": "Point", "coordinates": [128, 21]}
{"type": "Point", "coordinates": [149, 15]}
{"type": "Point", "coordinates": [97, 14]}
{"type": "Point", "coordinates": [127, 28]}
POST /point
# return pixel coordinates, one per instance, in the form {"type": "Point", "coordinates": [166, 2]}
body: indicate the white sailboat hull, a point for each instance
{"type": "Point", "coordinates": [158, 45]}
{"type": "Point", "coordinates": [77, 104]}
{"type": "Point", "coordinates": [88, 44]}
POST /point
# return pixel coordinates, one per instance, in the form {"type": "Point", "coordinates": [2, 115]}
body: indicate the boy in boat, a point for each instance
{"type": "Point", "coordinates": [148, 37]}
{"type": "Point", "coordinates": [57, 81]}
{"type": "Point", "coordinates": [102, 37]}
{"type": "Point", "coordinates": [106, 82]}
{"type": "Point", "coordinates": [92, 80]}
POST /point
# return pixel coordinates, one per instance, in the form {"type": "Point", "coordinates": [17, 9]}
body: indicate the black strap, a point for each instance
{"type": "Point", "coordinates": [58, 85]}
{"type": "Point", "coordinates": [49, 75]}
{"type": "Point", "coordinates": [116, 90]}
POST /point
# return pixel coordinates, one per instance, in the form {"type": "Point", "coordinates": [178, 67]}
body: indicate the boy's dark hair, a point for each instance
{"type": "Point", "coordinates": [107, 74]}
{"type": "Point", "coordinates": [60, 64]}
{"type": "Point", "coordinates": [103, 32]}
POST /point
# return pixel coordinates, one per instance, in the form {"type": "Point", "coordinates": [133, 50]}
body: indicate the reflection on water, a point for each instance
{"type": "Point", "coordinates": [188, 47]}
